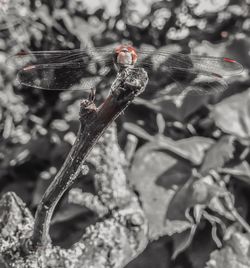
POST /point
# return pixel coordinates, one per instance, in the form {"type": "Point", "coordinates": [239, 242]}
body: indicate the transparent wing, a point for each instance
{"type": "Point", "coordinates": [60, 70]}
{"type": "Point", "coordinates": [191, 74]}
{"type": "Point", "coordinates": [58, 78]}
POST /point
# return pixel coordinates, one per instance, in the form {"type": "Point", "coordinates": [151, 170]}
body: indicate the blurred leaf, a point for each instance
{"type": "Point", "coordinates": [195, 194]}
{"type": "Point", "coordinates": [232, 115]}
{"type": "Point", "coordinates": [62, 14]}
{"type": "Point", "coordinates": [42, 183]}
{"type": "Point", "coordinates": [68, 212]}
{"type": "Point", "coordinates": [2, 265]}
{"type": "Point", "coordinates": [240, 171]}
{"type": "Point", "coordinates": [183, 240]}
{"type": "Point", "coordinates": [202, 245]}
{"type": "Point", "coordinates": [154, 172]}
{"type": "Point", "coordinates": [192, 149]}
{"type": "Point", "coordinates": [10, 157]}
{"type": "Point", "coordinates": [85, 30]}
{"type": "Point", "coordinates": [155, 255]}
{"type": "Point", "coordinates": [43, 14]}
{"type": "Point", "coordinates": [206, 7]}
{"type": "Point", "coordinates": [40, 189]}
{"type": "Point", "coordinates": [137, 131]}
{"type": "Point", "coordinates": [235, 254]}
{"type": "Point", "coordinates": [20, 188]}
{"type": "Point", "coordinates": [218, 154]}
{"type": "Point", "coordinates": [182, 107]}
{"type": "Point", "coordinates": [218, 206]}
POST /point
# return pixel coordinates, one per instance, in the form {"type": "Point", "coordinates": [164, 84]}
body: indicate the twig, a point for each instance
{"type": "Point", "coordinates": [229, 202]}
{"type": "Point", "coordinates": [93, 122]}
{"type": "Point", "coordinates": [230, 205]}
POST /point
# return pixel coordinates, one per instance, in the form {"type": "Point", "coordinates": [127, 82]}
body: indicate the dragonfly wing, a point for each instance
{"type": "Point", "coordinates": [76, 58]}
{"type": "Point", "coordinates": [60, 70]}
{"type": "Point", "coordinates": [58, 78]}
{"type": "Point", "coordinates": [201, 85]}
{"type": "Point", "coordinates": [213, 65]}
{"type": "Point", "coordinates": [205, 74]}
{"type": "Point", "coordinates": [218, 65]}
{"type": "Point", "coordinates": [181, 83]}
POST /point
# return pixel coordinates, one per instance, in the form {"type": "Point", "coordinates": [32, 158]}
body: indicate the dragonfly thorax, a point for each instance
{"type": "Point", "coordinates": [125, 57]}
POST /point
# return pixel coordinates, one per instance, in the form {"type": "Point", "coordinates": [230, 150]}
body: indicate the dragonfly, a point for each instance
{"type": "Point", "coordinates": [85, 69]}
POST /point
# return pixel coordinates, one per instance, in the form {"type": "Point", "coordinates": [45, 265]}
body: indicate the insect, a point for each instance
{"type": "Point", "coordinates": [174, 73]}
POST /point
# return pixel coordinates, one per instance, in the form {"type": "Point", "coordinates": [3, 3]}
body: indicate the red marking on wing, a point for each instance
{"type": "Point", "coordinates": [30, 67]}
{"type": "Point", "coordinates": [229, 60]}
{"type": "Point", "coordinates": [217, 75]}
{"type": "Point", "coordinates": [22, 53]}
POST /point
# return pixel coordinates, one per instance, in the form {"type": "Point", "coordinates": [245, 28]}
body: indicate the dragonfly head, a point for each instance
{"type": "Point", "coordinates": [125, 57]}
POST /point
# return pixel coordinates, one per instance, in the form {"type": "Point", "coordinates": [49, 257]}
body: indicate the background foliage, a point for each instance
{"type": "Point", "coordinates": [189, 158]}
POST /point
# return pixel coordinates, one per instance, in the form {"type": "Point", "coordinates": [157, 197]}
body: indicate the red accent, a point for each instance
{"type": "Point", "coordinates": [229, 60]}
{"type": "Point", "coordinates": [217, 75]}
{"type": "Point", "coordinates": [134, 55]}
{"type": "Point", "coordinates": [22, 53]}
{"type": "Point", "coordinates": [118, 49]}
{"type": "Point", "coordinates": [30, 67]}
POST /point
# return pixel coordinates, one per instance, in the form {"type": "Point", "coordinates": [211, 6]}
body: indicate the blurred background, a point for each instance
{"type": "Point", "coordinates": [177, 134]}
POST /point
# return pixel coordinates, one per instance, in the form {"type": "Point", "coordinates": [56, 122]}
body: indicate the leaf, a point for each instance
{"type": "Point", "coordinates": [16, 223]}
{"type": "Point", "coordinates": [69, 212]}
{"type": "Point", "coordinates": [180, 108]}
{"type": "Point", "coordinates": [195, 194]}
{"type": "Point", "coordinates": [217, 206]}
{"type": "Point", "coordinates": [42, 184]}
{"type": "Point", "coordinates": [207, 7]}
{"type": "Point", "coordinates": [201, 247]}
{"type": "Point", "coordinates": [154, 172]}
{"type": "Point", "coordinates": [183, 240]}
{"type": "Point", "coordinates": [218, 154]}
{"type": "Point", "coordinates": [155, 255]}
{"type": "Point", "coordinates": [234, 255]}
{"type": "Point", "coordinates": [192, 149]}
{"type": "Point", "coordinates": [85, 30]}
{"type": "Point", "coordinates": [240, 171]}
{"type": "Point", "coordinates": [232, 115]}
{"type": "Point", "coordinates": [138, 131]}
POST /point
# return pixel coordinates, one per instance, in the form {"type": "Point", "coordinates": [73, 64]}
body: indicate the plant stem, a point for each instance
{"type": "Point", "coordinates": [93, 122]}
